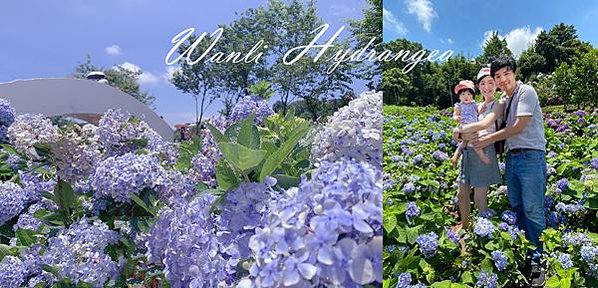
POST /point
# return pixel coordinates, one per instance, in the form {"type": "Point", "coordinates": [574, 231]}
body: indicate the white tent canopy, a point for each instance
{"type": "Point", "coordinates": [82, 99]}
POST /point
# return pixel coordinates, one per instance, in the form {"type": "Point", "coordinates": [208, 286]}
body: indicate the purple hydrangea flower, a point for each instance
{"type": "Point", "coordinates": [562, 184]}
{"type": "Point", "coordinates": [488, 213]}
{"type": "Point", "coordinates": [428, 244]}
{"type": "Point", "coordinates": [484, 228]}
{"type": "Point", "coordinates": [418, 158]}
{"type": "Point", "coordinates": [439, 155]}
{"type": "Point", "coordinates": [7, 113]}
{"type": "Point", "coordinates": [119, 177]}
{"type": "Point", "coordinates": [12, 201]}
{"type": "Point", "coordinates": [409, 188]}
{"type": "Point", "coordinates": [78, 253]}
{"type": "Point", "coordinates": [412, 210]}
{"type": "Point", "coordinates": [487, 280]}
{"type": "Point", "coordinates": [335, 218]}
{"type": "Point", "coordinates": [500, 260]}
{"type": "Point", "coordinates": [452, 235]}
{"type": "Point", "coordinates": [564, 259]}
{"type": "Point", "coordinates": [12, 271]}
{"type": "Point", "coordinates": [509, 217]}
{"type": "Point", "coordinates": [353, 132]}
{"type": "Point", "coordinates": [404, 280]}
{"type": "Point", "coordinates": [248, 105]}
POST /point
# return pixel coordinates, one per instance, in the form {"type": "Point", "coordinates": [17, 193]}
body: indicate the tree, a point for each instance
{"type": "Point", "coordinates": [124, 79]}
{"type": "Point", "coordinates": [262, 89]}
{"type": "Point", "coordinates": [370, 27]}
{"type": "Point", "coordinates": [530, 63]}
{"type": "Point", "coordinates": [560, 45]}
{"type": "Point", "coordinates": [197, 79]}
{"type": "Point", "coordinates": [494, 47]}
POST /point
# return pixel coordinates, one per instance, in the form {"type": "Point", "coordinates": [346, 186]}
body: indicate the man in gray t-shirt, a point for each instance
{"type": "Point", "coordinates": [525, 169]}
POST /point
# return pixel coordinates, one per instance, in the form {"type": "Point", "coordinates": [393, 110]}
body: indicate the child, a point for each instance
{"type": "Point", "coordinates": [466, 112]}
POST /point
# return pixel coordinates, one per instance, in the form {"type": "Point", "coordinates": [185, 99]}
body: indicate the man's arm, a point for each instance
{"type": "Point", "coordinates": [520, 123]}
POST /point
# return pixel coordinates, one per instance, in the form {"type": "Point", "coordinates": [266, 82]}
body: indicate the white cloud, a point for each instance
{"type": "Point", "coordinates": [341, 9]}
{"type": "Point", "coordinates": [518, 40]}
{"type": "Point", "coordinates": [114, 50]}
{"type": "Point", "coordinates": [448, 40]}
{"type": "Point", "coordinates": [169, 72]}
{"type": "Point", "coordinates": [391, 22]}
{"type": "Point", "coordinates": [423, 10]}
{"type": "Point", "coordinates": [145, 77]}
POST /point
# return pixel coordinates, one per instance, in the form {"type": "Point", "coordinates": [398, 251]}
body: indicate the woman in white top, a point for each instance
{"type": "Point", "coordinates": [474, 173]}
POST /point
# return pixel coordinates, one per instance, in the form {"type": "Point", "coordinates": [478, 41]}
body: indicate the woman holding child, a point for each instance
{"type": "Point", "coordinates": [479, 169]}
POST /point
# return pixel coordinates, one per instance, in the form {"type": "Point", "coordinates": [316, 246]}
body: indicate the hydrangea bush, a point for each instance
{"type": "Point", "coordinates": [116, 205]}
{"type": "Point", "coordinates": [421, 208]}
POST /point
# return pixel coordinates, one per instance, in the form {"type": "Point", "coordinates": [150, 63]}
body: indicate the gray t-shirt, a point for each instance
{"type": "Point", "coordinates": [526, 103]}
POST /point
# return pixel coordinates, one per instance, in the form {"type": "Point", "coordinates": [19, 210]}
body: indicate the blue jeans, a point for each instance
{"type": "Point", "coordinates": [526, 185]}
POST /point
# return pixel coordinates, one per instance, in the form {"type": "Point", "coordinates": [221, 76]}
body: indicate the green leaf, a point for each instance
{"type": "Point", "coordinates": [553, 282]}
{"type": "Point", "coordinates": [25, 237]}
{"type": "Point", "coordinates": [390, 222]}
{"type": "Point", "coordinates": [218, 136]}
{"type": "Point", "coordinates": [286, 181]}
{"type": "Point", "coordinates": [143, 205]}
{"type": "Point", "coordinates": [64, 196]}
{"type": "Point", "coordinates": [249, 136]}
{"type": "Point", "coordinates": [275, 159]}
{"type": "Point", "coordinates": [225, 176]}
{"type": "Point", "coordinates": [52, 270]}
{"type": "Point", "coordinates": [467, 278]}
{"type": "Point", "coordinates": [241, 156]}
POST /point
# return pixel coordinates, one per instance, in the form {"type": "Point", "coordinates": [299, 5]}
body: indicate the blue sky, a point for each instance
{"type": "Point", "coordinates": [463, 25]}
{"type": "Point", "coordinates": [43, 38]}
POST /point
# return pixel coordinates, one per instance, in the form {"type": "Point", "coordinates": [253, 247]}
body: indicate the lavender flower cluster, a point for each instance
{"type": "Point", "coordinates": [7, 116]}
{"type": "Point", "coordinates": [184, 239]}
{"type": "Point", "coordinates": [120, 133]}
{"type": "Point", "coordinates": [28, 130]}
{"type": "Point", "coordinates": [78, 253]}
{"type": "Point", "coordinates": [119, 177]}
{"type": "Point", "coordinates": [354, 131]}
{"type": "Point", "coordinates": [12, 201]}
{"type": "Point", "coordinates": [248, 105]}
{"type": "Point", "coordinates": [327, 231]}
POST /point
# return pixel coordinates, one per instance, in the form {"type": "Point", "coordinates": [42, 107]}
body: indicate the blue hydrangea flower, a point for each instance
{"type": "Point", "coordinates": [484, 228]}
{"type": "Point", "coordinates": [248, 105]}
{"type": "Point", "coordinates": [12, 201]}
{"type": "Point", "coordinates": [439, 155]}
{"type": "Point", "coordinates": [404, 280]}
{"type": "Point", "coordinates": [564, 259]}
{"type": "Point", "coordinates": [487, 280]}
{"type": "Point", "coordinates": [594, 163]}
{"type": "Point", "coordinates": [562, 184]}
{"type": "Point", "coordinates": [500, 260]}
{"type": "Point", "coordinates": [7, 113]}
{"type": "Point", "coordinates": [428, 244]}
{"type": "Point", "coordinates": [509, 216]}
{"type": "Point", "coordinates": [452, 235]}
{"type": "Point", "coordinates": [576, 238]}
{"type": "Point", "coordinates": [488, 213]}
{"type": "Point", "coordinates": [412, 210]}
{"type": "Point", "coordinates": [335, 218]}
{"type": "Point", "coordinates": [119, 177]}
{"type": "Point", "coordinates": [588, 253]}
{"type": "Point", "coordinates": [12, 272]}
{"type": "Point", "coordinates": [409, 188]}
{"type": "Point", "coordinates": [78, 253]}
{"type": "Point", "coordinates": [418, 158]}
{"type": "Point", "coordinates": [353, 132]}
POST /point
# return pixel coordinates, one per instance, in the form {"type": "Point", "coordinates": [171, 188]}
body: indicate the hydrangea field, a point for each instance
{"type": "Point", "coordinates": [420, 207]}
{"type": "Point", "coordinates": [256, 200]}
